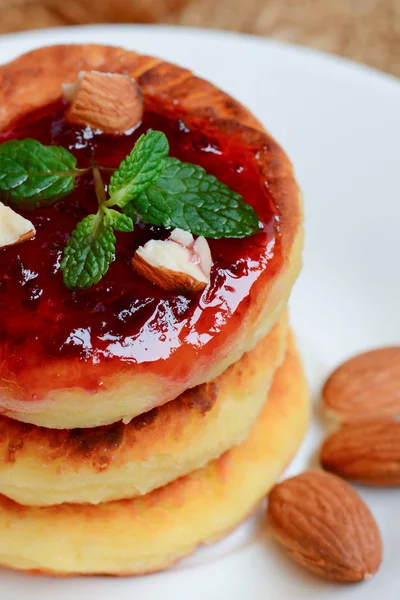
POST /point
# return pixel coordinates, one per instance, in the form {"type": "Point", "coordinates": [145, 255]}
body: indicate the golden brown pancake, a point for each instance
{"type": "Point", "coordinates": [154, 531]}
{"type": "Point", "coordinates": [50, 466]}
{"type": "Point", "coordinates": [60, 389]}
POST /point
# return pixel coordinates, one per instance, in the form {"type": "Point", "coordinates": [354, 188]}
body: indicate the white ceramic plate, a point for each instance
{"type": "Point", "coordinates": [340, 124]}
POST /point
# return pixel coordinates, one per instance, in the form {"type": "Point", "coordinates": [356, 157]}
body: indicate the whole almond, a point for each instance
{"type": "Point", "coordinates": [110, 102]}
{"type": "Point", "coordinates": [325, 526]}
{"type": "Point", "coordinates": [365, 387]}
{"type": "Point", "coordinates": [367, 452]}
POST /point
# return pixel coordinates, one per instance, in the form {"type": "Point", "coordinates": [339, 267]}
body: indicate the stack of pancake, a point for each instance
{"type": "Point", "coordinates": [130, 478]}
{"type": "Point", "coordinates": [134, 498]}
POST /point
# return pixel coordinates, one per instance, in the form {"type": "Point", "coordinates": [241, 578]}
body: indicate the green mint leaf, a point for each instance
{"type": "Point", "coordinates": [34, 175]}
{"type": "Point", "coordinates": [186, 196]}
{"type": "Point", "coordinates": [139, 169]}
{"type": "Point", "coordinates": [117, 220]}
{"type": "Point", "coordinates": [88, 253]}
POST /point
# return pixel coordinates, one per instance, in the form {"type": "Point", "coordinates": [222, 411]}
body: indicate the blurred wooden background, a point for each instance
{"type": "Point", "coordinates": [365, 30]}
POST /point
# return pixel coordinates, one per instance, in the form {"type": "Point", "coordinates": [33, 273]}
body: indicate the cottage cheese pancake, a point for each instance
{"type": "Point", "coordinates": [85, 358]}
{"type": "Point", "coordinates": [43, 466]}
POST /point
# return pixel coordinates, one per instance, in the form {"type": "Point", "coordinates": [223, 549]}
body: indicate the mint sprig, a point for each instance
{"type": "Point", "coordinates": [89, 252]}
{"type": "Point", "coordinates": [148, 186]}
{"type": "Point", "coordinates": [33, 175]}
{"type": "Point", "coordinates": [91, 248]}
{"type": "Point", "coordinates": [160, 190]}
{"type": "Point", "coordinates": [139, 169]}
{"type": "Point", "coordinates": [185, 196]}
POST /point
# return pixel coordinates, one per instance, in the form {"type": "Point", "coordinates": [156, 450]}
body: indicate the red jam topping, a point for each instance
{"type": "Point", "coordinates": [125, 317]}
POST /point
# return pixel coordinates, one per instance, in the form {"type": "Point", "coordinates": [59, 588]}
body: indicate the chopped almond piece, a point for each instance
{"type": "Point", "coordinates": [14, 229]}
{"type": "Point", "coordinates": [177, 264]}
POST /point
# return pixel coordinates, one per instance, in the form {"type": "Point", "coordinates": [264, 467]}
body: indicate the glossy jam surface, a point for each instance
{"type": "Point", "coordinates": [125, 317]}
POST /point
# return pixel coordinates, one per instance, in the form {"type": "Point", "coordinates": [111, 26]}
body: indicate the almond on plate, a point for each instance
{"type": "Point", "coordinates": [110, 102]}
{"type": "Point", "coordinates": [177, 264]}
{"type": "Point", "coordinates": [14, 229]}
{"type": "Point", "coordinates": [365, 387]}
{"type": "Point", "coordinates": [367, 452]}
{"type": "Point", "coordinates": [325, 526]}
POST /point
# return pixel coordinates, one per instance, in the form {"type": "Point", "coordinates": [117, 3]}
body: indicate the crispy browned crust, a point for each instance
{"type": "Point", "coordinates": [96, 447]}
{"type": "Point", "coordinates": [35, 79]}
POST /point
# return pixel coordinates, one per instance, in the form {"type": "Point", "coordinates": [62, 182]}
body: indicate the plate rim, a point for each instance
{"type": "Point", "coordinates": [295, 50]}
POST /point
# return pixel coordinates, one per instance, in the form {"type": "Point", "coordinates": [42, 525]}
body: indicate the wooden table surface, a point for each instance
{"type": "Point", "coordinates": [367, 31]}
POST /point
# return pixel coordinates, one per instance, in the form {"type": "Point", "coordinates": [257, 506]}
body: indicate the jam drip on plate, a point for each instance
{"type": "Point", "coordinates": [125, 317]}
